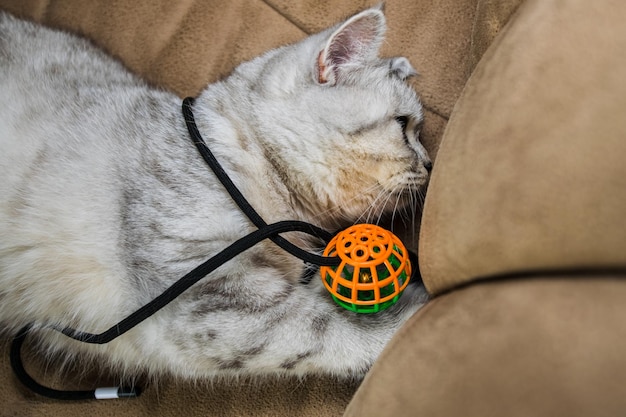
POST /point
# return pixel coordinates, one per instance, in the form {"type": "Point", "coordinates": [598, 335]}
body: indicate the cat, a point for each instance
{"type": "Point", "coordinates": [105, 202]}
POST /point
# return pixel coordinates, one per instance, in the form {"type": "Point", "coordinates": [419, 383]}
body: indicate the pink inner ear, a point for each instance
{"type": "Point", "coordinates": [347, 46]}
{"type": "Point", "coordinates": [321, 68]}
{"type": "Point", "coordinates": [354, 44]}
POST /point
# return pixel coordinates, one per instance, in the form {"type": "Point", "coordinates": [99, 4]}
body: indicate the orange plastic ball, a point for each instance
{"type": "Point", "coordinates": [373, 272]}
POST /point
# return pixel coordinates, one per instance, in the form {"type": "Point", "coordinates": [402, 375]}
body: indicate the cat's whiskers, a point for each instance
{"type": "Point", "coordinates": [370, 211]}
{"type": "Point", "coordinates": [416, 205]}
{"type": "Point", "coordinates": [332, 211]}
{"type": "Point", "coordinates": [382, 210]}
{"type": "Point", "coordinates": [414, 201]}
{"type": "Point", "coordinates": [398, 205]}
{"type": "Point", "coordinates": [377, 206]}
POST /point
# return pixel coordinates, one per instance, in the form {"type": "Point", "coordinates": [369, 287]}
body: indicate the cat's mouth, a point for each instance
{"type": "Point", "coordinates": [401, 196]}
{"type": "Point", "coordinates": [408, 182]}
{"type": "Point", "coordinates": [364, 198]}
{"type": "Point", "coordinates": [416, 180]}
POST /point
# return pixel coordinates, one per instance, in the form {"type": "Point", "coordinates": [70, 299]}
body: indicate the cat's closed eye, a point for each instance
{"type": "Point", "coordinates": [403, 121]}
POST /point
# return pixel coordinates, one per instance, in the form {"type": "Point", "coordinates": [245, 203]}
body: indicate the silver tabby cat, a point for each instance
{"type": "Point", "coordinates": [105, 202]}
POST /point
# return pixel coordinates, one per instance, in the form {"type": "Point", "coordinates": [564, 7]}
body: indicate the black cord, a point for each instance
{"type": "Point", "coordinates": [263, 232]}
{"type": "Point", "coordinates": [244, 205]}
{"type": "Point", "coordinates": [187, 281]}
{"type": "Point", "coordinates": [28, 381]}
{"type": "Point", "coordinates": [146, 311]}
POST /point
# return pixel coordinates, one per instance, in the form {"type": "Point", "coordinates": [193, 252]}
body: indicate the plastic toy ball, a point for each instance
{"type": "Point", "coordinates": [374, 269]}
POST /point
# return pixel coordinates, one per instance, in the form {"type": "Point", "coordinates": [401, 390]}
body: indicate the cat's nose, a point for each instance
{"type": "Point", "coordinates": [428, 164]}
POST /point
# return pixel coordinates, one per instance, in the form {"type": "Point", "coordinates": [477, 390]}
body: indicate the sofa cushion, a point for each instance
{"type": "Point", "coordinates": [531, 347]}
{"type": "Point", "coordinates": [531, 174]}
{"type": "Point", "coordinates": [183, 45]}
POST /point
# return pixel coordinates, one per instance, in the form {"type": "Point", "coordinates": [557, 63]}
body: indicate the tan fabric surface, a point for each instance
{"type": "Point", "coordinates": [184, 44]}
{"type": "Point", "coordinates": [531, 172]}
{"type": "Point", "coordinates": [444, 39]}
{"type": "Point", "coordinates": [314, 397]}
{"type": "Point", "coordinates": [537, 347]}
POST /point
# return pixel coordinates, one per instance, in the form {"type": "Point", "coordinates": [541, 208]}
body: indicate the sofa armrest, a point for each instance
{"type": "Point", "coordinates": [539, 347]}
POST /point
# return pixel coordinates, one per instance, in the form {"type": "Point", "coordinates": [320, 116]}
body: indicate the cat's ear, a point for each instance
{"type": "Point", "coordinates": [401, 67]}
{"type": "Point", "coordinates": [353, 44]}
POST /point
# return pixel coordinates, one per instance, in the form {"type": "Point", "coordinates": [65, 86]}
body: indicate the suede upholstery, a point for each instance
{"type": "Point", "coordinates": [540, 347]}
{"type": "Point", "coordinates": [532, 174]}
{"type": "Point", "coordinates": [528, 189]}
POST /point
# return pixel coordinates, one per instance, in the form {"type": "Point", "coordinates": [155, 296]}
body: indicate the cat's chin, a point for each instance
{"type": "Point", "coordinates": [373, 209]}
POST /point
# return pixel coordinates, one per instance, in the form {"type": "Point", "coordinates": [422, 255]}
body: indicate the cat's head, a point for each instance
{"type": "Point", "coordinates": [339, 123]}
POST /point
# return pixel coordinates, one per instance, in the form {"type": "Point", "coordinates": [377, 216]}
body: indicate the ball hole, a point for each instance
{"type": "Point", "coordinates": [329, 280]}
{"type": "Point", "coordinates": [348, 272]}
{"type": "Point", "coordinates": [346, 292]}
{"type": "Point", "coordinates": [367, 295]}
{"type": "Point", "coordinates": [388, 290]}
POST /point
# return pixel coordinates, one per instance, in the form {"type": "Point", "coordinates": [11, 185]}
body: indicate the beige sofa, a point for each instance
{"type": "Point", "coordinates": [523, 236]}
